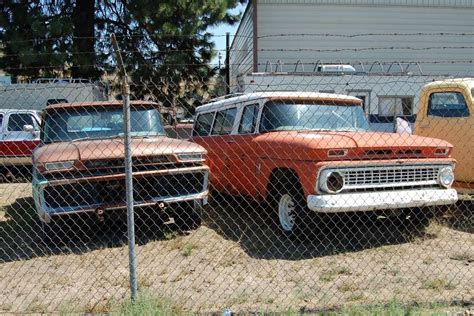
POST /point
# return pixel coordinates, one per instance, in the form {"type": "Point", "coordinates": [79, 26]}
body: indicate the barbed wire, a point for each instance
{"type": "Point", "coordinates": [335, 50]}
{"type": "Point", "coordinates": [355, 35]}
{"type": "Point", "coordinates": [365, 34]}
{"type": "Point", "coordinates": [66, 67]}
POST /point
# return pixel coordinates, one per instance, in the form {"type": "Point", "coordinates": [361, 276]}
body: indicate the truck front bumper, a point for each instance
{"type": "Point", "coordinates": [373, 201]}
{"type": "Point", "coordinates": [144, 195]}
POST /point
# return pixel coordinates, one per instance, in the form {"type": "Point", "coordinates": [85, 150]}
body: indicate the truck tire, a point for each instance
{"type": "Point", "coordinates": [188, 216]}
{"type": "Point", "coordinates": [288, 203]}
{"type": "Point", "coordinates": [53, 233]}
{"type": "Point", "coordinates": [416, 218]}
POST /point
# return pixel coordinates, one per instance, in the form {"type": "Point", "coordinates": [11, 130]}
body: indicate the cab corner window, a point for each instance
{"type": "Point", "coordinates": [203, 124]}
{"type": "Point", "coordinates": [16, 122]}
{"type": "Point", "coordinates": [224, 122]}
{"type": "Point", "coordinates": [249, 119]}
{"type": "Point", "coordinates": [447, 104]}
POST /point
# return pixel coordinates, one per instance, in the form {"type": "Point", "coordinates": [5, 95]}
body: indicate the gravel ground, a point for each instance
{"type": "Point", "coordinates": [236, 259]}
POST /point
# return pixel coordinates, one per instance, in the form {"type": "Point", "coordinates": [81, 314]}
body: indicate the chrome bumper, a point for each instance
{"type": "Point", "coordinates": [373, 201]}
{"type": "Point", "coordinates": [45, 213]}
{"type": "Point", "coordinates": [12, 161]}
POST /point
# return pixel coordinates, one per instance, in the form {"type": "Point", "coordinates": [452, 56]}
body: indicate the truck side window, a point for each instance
{"type": "Point", "coordinates": [224, 122]}
{"type": "Point", "coordinates": [447, 104]}
{"type": "Point", "coordinates": [249, 119]}
{"type": "Point", "coordinates": [202, 127]}
{"type": "Point", "coordinates": [1, 122]}
{"type": "Point", "coordinates": [17, 121]}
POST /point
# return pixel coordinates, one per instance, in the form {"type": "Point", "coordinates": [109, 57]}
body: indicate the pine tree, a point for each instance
{"type": "Point", "coordinates": [165, 43]}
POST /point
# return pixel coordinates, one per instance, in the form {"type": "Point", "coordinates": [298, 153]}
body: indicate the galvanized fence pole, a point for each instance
{"type": "Point", "coordinates": [128, 172]}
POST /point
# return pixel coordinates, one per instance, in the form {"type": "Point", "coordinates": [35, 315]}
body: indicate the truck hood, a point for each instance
{"type": "Point", "coordinates": [309, 144]}
{"type": "Point", "coordinates": [112, 149]}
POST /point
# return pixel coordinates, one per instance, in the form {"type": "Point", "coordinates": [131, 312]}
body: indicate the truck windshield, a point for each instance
{"type": "Point", "coordinates": [297, 115]}
{"type": "Point", "coordinates": [69, 124]}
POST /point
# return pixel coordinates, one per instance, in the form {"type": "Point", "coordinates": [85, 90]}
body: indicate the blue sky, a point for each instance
{"type": "Point", "coordinates": [220, 31]}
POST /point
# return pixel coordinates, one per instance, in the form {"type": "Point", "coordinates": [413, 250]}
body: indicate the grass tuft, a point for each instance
{"type": "Point", "coordinates": [463, 256]}
{"type": "Point", "coordinates": [147, 305]}
{"type": "Point", "coordinates": [437, 285]}
{"type": "Point", "coordinates": [331, 274]}
{"type": "Point", "coordinates": [187, 250]}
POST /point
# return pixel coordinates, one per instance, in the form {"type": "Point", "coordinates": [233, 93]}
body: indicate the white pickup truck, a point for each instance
{"type": "Point", "coordinates": [19, 136]}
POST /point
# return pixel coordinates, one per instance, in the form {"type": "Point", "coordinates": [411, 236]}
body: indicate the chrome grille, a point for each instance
{"type": "Point", "coordinates": [389, 176]}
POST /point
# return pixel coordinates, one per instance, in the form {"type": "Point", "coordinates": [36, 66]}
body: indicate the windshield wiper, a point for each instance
{"type": "Point", "coordinates": [94, 138]}
{"type": "Point", "coordinates": [79, 139]}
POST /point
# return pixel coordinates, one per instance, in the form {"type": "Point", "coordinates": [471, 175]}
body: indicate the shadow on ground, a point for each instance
{"type": "Point", "coordinates": [254, 227]}
{"type": "Point", "coordinates": [249, 224]}
{"type": "Point", "coordinates": [22, 235]}
{"type": "Point", "coordinates": [460, 217]}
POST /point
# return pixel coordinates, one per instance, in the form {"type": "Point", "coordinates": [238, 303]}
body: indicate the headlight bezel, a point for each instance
{"type": "Point", "coordinates": [191, 157]}
{"type": "Point", "coordinates": [59, 165]}
{"type": "Point", "coordinates": [324, 181]}
{"type": "Point", "coordinates": [448, 173]}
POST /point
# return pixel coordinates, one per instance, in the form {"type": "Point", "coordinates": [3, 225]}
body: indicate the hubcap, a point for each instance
{"type": "Point", "coordinates": [286, 212]}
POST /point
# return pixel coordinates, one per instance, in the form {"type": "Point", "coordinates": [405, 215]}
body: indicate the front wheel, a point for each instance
{"type": "Point", "coordinates": [188, 216]}
{"type": "Point", "coordinates": [293, 215]}
{"type": "Point", "coordinates": [54, 232]}
{"type": "Point", "coordinates": [417, 218]}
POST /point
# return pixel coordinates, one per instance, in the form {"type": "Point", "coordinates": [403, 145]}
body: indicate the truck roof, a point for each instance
{"type": "Point", "coordinates": [8, 111]}
{"type": "Point", "coordinates": [464, 82]}
{"type": "Point", "coordinates": [97, 103]}
{"type": "Point", "coordinates": [297, 95]}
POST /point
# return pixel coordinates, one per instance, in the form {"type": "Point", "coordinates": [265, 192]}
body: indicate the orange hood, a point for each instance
{"type": "Point", "coordinates": [310, 145]}
{"type": "Point", "coordinates": [112, 148]}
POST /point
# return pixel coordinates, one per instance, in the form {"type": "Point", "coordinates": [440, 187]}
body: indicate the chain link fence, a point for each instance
{"type": "Point", "coordinates": [299, 192]}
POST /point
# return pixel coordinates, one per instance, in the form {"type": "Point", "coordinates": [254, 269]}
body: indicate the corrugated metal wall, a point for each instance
{"type": "Point", "coordinates": [359, 19]}
{"type": "Point", "coordinates": [411, 3]}
{"type": "Point", "coordinates": [241, 55]}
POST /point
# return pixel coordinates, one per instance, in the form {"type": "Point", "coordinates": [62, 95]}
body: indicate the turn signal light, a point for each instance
{"type": "Point", "coordinates": [337, 152]}
{"type": "Point", "coordinates": [441, 151]}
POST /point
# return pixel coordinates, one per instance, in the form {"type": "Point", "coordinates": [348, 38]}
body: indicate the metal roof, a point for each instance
{"type": "Point", "coordinates": [405, 3]}
{"type": "Point", "coordinates": [448, 83]}
{"type": "Point", "coordinates": [297, 95]}
{"type": "Point", "coordinates": [97, 103]}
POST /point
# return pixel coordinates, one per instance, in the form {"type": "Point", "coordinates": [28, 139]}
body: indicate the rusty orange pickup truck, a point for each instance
{"type": "Point", "coordinates": [79, 165]}
{"type": "Point", "coordinates": [309, 153]}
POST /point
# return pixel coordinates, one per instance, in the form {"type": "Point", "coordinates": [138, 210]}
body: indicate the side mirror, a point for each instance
{"type": "Point", "coordinates": [28, 128]}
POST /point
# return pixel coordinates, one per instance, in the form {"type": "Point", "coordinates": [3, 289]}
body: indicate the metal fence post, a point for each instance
{"type": "Point", "coordinates": [128, 172]}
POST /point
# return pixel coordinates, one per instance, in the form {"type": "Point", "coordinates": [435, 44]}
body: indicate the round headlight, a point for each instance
{"type": "Point", "coordinates": [332, 182]}
{"type": "Point", "coordinates": [446, 177]}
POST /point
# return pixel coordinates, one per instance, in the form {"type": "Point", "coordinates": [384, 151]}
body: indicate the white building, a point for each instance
{"type": "Point", "coordinates": [38, 94]}
{"type": "Point", "coordinates": [439, 34]}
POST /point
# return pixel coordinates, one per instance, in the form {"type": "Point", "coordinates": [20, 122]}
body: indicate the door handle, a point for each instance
{"type": "Point", "coordinates": [424, 124]}
{"type": "Point", "coordinates": [230, 141]}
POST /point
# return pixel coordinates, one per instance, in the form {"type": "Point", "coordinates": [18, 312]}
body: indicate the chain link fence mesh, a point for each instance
{"type": "Point", "coordinates": [250, 243]}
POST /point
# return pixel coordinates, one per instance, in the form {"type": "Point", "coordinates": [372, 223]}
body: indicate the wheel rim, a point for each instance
{"type": "Point", "coordinates": [286, 212]}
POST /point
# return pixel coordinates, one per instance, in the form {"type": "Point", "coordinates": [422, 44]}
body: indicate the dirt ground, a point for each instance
{"type": "Point", "coordinates": [237, 260]}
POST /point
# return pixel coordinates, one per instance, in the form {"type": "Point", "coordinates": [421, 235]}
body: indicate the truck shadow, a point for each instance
{"type": "Point", "coordinates": [460, 216]}
{"type": "Point", "coordinates": [22, 236]}
{"type": "Point", "coordinates": [257, 232]}
{"type": "Point", "coordinates": [250, 224]}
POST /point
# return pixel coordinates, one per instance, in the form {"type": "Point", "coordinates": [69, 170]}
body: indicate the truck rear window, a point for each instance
{"type": "Point", "coordinates": [447, 104]}
{"type": "Point", "coordinates": [203, 124]}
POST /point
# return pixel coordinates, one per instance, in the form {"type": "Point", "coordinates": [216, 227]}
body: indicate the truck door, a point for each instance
{"type": "Point", "coordinates": [242, 159]}
{"type": "Point", "coordinates": [213, 132]}
{"type": "Point", "coordinates": [16, 141]}
{"type": "Point", "coordinates": [447, 113]}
